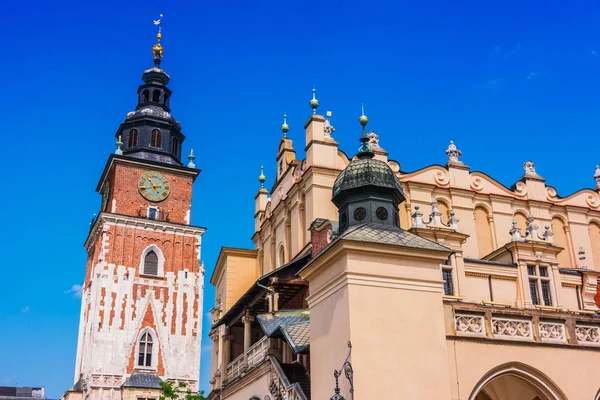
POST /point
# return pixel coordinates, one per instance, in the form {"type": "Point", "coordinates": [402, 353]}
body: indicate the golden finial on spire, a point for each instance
{"type": "Point", "coordinates": [157, 49]}
{"type": "Point", "coordinates": [314, 103]}
{"type": "Point", "coordinates": [363, 119]}
{"type": "Point", "coordinates": [262, 178]}
{"type": "Point", "coordinates": [285, 127]}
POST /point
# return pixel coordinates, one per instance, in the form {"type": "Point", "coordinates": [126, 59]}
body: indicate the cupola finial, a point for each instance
{"type": "Point", "coordinates": [119, 144]}
{"type": "Point", "coordinates": [365, 150]}
{"type": "Point", "coordinates": [157, 49]}
{"type": "Point", "coordinates": [314, 103]}
{"type": "Point", "coordinates": [285, 127]}
{"type": "Point", "coordinates": [262, 178]}
{"type": "Point", "coordinates": [191, 157]}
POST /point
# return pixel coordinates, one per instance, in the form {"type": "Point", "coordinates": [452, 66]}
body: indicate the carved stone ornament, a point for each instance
{"type": "Point", "coordinates": [453, 153]}
{"type": "Point", "coordinates": [469, 324]}
{"type": "Point", "coordinates": [417, 219]}
{"type": "Point", "coordinates": [529, 167]}
{"type": "Point", "coordinates": [588, 334]}
{"type": "Point", "coordinates": [373, 139]}
{"type": "Point", "coordinates": [328, 129]}
{"type": "Point", "coordinates": [597, 177]}
{"type": "Point", "coordinates": [552, 331]}
{"type": "Point", "coordinates": [511, 327]}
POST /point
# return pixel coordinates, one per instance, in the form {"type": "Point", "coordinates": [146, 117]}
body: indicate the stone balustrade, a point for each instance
{"type": "Point", "coordinates": [256, 353]}
{"type": "Point", "coordinates": [527, 326]}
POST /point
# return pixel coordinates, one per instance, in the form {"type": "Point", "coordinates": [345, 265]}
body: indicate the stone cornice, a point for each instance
{"type": "Point", "coordinates": [106, 218]}
{"type": "Point", "coordinates": [344, 247]}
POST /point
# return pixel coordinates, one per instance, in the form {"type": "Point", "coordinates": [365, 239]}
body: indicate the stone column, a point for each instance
{"type": "Point", "coordinates": [226, 354]}
{"type": "Point", "coordinates": [247, 320]}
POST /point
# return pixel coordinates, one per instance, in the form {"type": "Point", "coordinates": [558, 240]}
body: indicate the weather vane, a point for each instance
{"type": "Point", "coordinates": [158, 21]}
{"type": "Point", "coordinates": [157, 49]}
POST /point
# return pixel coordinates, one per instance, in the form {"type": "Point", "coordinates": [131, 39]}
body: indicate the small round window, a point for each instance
{"type": "Point", "coordinates": [382, 213]}
{"type": "Point", "coordinates": [360, 214]}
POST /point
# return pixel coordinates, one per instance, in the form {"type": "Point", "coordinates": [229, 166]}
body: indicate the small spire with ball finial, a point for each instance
{"type": "Point", "coordinates": [365, 150]}
{"type": "Point", "coordinates": [191, 157]}
{"type": "Point", "coordinates": [119, 144]}
{"type": "Point", "coordinates": [285, 127]}
{"type": "Point", "coordinates": [314, 103]}
{"type": "Point", "coordinates": [262, 178]}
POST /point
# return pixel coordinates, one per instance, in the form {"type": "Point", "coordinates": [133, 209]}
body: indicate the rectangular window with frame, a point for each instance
{"type": "Point", "coordinates": [448, 282]}
{"type": "Point", "coordinates": [539, 285]}
{"type": "Point", "coordinates": [152, 212]}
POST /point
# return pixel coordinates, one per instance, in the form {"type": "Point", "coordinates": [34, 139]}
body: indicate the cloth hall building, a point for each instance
{"type": "Point", "coordinates": [440, 283]}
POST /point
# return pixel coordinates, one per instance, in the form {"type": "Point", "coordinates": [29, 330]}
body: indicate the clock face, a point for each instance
{"type": "Point", "coordinates": [105, 196]}
{"type": "Point", "coordinates": [153, 186]}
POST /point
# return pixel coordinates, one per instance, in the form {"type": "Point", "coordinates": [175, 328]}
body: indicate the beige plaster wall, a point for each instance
{"type": "Point", "coordinates": [573, 370]}
{"type": "Point", "coordinates": [255, 386]}
{"type": "Point", "coordinates": [373, 299]}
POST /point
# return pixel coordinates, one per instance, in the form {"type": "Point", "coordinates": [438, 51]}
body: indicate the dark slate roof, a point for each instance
{"type": "Point", "coordinates": [366, 172]}
{"type": "Point", "coordinates": [389, 234]}
{"type": "Point", "coordinates": [143, 380]}
{"type": "Point", "coordinates": [77, 387]}
{"type": "Point", "coordinates": [293, 325]}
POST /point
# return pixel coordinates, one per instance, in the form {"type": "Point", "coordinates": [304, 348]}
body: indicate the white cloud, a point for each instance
{"type": "Point", "coordinates": [25, 309]}
{"type": "Point", "coordinates": [534, 75]}
{"type": "Point", "coordinates": [492, 84]}
{"type": "Point", "coordinates": [512, 52]}
{"type": "Point", "coordinates": [76, 289]}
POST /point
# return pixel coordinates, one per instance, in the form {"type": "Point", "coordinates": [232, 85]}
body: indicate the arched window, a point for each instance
{"type": "Point", "coordinates": [443, 207]}
{"type": "Point", "coordinates": [484, 232]}
{"type": "Point", "coordinates": [132, 138]}
{"type": "Point", "coordinates": [521, 221]}
{"type": "Point", "coordinates": [594, 229]}
{"type": "Point", "coordinates": [155, 142]}
{"type": "Point", "coordinates": [167, 98]}
{"type": "Point", "coordinates": [560, 240]}
{"type": "Point", "coordinates": [281, 255]}
{"type": "Point", "coordinates": [151, 263]}
{"type": "Point", "coordinates": [145, 351]}
{"type": "Point", "coordinates": [156, 96]}
{"type": "Point", "coordinates": [175, 147]}
{"type": "Point", "coordinates": [146, 96]}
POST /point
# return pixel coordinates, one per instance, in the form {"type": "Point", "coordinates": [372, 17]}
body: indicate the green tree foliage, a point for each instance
{"type": "Point", "coordinates": [181, 391]}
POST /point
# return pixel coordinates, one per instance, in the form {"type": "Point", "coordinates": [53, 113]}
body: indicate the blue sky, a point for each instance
{"type": "Point", "coordinates": [507, 81]}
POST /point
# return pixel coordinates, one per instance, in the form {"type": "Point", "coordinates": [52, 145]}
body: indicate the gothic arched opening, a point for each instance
{"type": "Point", "coordinates": [515, 381]}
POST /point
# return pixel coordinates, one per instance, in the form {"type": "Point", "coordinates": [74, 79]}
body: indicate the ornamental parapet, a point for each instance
{"type": "Point", "coordinates": [540, 326]}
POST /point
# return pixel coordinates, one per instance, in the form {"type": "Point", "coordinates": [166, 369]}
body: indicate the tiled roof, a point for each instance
{"type": "Point", "coordinates": [294, 325]}
{"type": "Point", "coordinates": [77, 387]}
{"type": "Point", "coordinates": [298, 336]}
{"type": "Point", "coordinates": [143, 380]}
{"type": "Point", "coordinates": [366, 172]}
{"type": "Point", "coordinates": [389, 234]}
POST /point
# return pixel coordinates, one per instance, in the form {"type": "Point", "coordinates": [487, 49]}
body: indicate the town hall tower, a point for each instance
{"type": "Point", "coordinates": [141, 315]}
